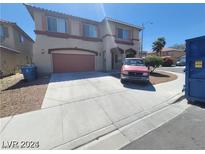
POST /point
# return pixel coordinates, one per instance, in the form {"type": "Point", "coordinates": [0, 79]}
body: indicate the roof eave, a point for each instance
{"type": "Point", "coordinates": [124, 23]}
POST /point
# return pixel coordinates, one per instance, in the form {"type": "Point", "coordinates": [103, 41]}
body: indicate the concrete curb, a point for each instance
{"type": "Point", "coordinates": [137, 129]}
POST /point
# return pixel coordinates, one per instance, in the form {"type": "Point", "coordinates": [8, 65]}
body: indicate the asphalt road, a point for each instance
{"type": "Point", "coordinates": [184, 132]}
{"type": "Point", "coordinates": [177, 69]}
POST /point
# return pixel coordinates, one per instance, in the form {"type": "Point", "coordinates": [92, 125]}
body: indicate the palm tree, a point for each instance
{"type": "Point", "coordinates": [158, 45]}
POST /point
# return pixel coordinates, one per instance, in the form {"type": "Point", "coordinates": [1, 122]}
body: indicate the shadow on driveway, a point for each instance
{"type": "Point", "coordinates": [199, 104]}
{"type": "Point", "coordinates": [136, 85]}
{"type": "Point", "coordinates": [139, 86]}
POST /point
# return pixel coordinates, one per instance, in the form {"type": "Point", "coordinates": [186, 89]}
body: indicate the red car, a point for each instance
{"type": "Point", "coordinates": [134, 69]}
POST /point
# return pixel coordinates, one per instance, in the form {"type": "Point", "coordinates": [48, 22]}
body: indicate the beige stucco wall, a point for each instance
{"type": "Point", "coordinates": [75, 26]}
{"type": "Point", "coordinates": [9, 41]}
{"type": "Point", "coordinates": [10, 62]}
{"type": "Point", "coordinates": [12, 41]}
{"type": "Point", "coordinates": [44, 60]}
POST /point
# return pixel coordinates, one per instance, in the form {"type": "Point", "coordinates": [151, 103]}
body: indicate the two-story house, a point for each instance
{"type": "Point", "coordinates": [15, 48]}
{"type": "Point", "coordinates": [66, 43]}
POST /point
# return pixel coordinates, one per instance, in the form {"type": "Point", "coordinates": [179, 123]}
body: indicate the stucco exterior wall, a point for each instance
{"type": "Point", "coordinates": [9, 41]}
{"type": "Point", "coordinates": [10, 62]}
{"type": "Point", "coordinates": [102, 45]}
{"type": "Point", "coordinates": [16, 53]}
{"type": "Point", "coordinates": [43, 43]}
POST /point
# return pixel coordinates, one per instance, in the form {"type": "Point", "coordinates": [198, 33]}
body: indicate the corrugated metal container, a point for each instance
{"type": "Point", "coordinates": [29, 72]}
{"type": "Point", "coordinates": [195, 69]}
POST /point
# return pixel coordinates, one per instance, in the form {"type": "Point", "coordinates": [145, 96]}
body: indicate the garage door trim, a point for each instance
{"type": "Point", "coordinates": [79, 49]}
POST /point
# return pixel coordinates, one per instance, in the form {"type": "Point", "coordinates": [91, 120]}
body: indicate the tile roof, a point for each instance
{"type": "Point", "coordinates": [31, 7]}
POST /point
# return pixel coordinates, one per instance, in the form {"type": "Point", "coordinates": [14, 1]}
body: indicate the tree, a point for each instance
{"type": "Point", "coordinates": [158, 45]}
{"type": "Point", "coordinates": [153, 61]}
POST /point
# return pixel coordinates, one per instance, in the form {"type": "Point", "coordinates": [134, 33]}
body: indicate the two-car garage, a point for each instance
{"type": "Point", "coordinates": [77, 61]}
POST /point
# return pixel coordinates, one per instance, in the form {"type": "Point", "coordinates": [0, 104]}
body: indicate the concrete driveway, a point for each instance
{"type": "Point", "coordinates": [80, 107]}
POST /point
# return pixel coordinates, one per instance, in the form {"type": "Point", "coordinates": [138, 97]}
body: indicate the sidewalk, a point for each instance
{"type": "Point", "coordinates": [71, 124]}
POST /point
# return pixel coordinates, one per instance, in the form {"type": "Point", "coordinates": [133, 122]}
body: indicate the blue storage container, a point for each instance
{"type": "Point", "coordinates": [195, 69]}
{"type": "Point", "coordinates": [29, 72]}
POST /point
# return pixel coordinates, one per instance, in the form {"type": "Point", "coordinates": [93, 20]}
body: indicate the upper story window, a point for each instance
{"type": "Point", "coordinates": [89, 30]}
{"type": "Point", "coordinates": [21, 38]}
{"type": "Point", "coordinates": [3, 32]}
{"type": "Point", "coordinates": [56, 24]}
{"type": "Point", "coordinates": [123, 34]}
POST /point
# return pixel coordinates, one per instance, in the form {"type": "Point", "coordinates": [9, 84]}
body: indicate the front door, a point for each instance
{"type": "Point", "coordinates": [117, 59]}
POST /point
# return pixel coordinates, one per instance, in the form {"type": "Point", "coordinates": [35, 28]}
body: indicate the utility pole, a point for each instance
{"type": "Point", "coordinates": [141, 48]}
{"type": "Point", "coordinates": [142, 35]}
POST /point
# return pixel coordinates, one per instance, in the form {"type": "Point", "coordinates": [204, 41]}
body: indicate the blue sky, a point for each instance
{"type": "Point", "coordinates": [175, 22]}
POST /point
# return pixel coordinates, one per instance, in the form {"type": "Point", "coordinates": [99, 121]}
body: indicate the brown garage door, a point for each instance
{"type": "Point", "coordinates": [73, 63]}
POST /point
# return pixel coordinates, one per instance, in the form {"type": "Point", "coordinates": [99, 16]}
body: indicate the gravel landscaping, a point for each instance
{"type": "Point", "coordinates": [18, 96]}
{"type": "Point", "coordinates": [160, 77]}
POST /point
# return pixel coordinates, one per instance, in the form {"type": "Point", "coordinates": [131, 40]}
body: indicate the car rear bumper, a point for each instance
{"type": "Point", "coordinates": [133, 78]}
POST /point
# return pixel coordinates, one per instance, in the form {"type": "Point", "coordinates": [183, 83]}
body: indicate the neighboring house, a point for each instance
{"type": "Point", "coordinates": [66, 43]}
{"type": "Point", "coordinates": [171, 52]}
{"type": "Point", "coordinates": [15, 49]}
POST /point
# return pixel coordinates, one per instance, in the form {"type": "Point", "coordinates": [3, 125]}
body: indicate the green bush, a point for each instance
{"type": "Point", "coordinates": [153, 61]}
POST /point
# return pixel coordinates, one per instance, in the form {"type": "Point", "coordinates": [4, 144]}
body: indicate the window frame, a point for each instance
{"type": "Point", "coordinates": [5, 32]}
{"type": "Point", "coordinates": [21, 38]}
{"type": "Point", "coordinates": [83, 30]}
{"type": "Point", "coordinates": [123, 29]}
{"type": "Point", "coordinates": [57, 24]}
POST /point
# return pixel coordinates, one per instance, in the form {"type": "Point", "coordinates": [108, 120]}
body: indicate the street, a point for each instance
{"type": "Point", "coordinates": [183, 132]}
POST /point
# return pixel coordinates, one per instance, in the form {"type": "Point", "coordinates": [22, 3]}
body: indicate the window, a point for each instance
{"type": "Point", "coordinates": [89, 30]}
{"type": "Point", "coordinates": [21, 38]}
{"type": "Point", "coordinates": [123, 34]}
{"type": "Point", "coordinates": [3, 32]}
{"type": "Point", "coordinates": [56, 25]}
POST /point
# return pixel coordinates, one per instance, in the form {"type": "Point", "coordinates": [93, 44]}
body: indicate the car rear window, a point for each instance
{"type": "Point", "coordinates": [134, 62]}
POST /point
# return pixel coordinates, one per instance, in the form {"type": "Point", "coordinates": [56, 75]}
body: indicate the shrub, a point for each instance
{"type": "Point", "coordinates": [153, 61]}
{"type": "Point", "coordinates": [167, 61]}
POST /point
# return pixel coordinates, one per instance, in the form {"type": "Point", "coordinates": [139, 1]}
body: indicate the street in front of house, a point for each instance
{"type": "Point", "coordinates": [186, 131]}
{"type": "Point", "coordinates": [81, 107]}
{"type": "Point", "coordinates": [182, 132]}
